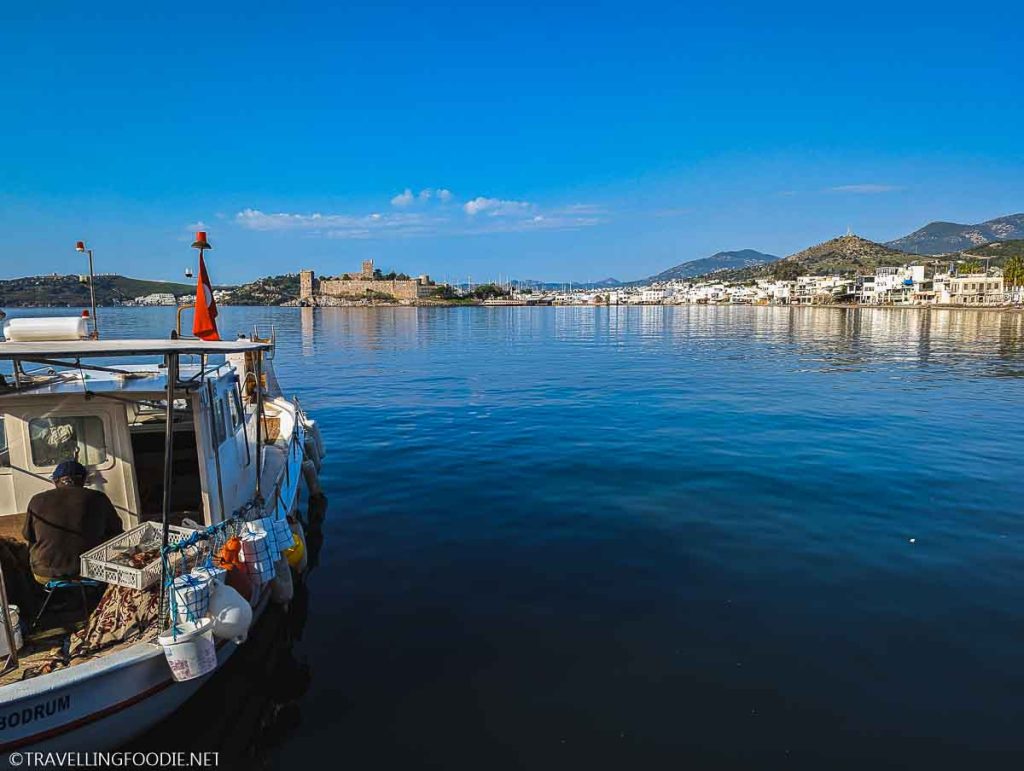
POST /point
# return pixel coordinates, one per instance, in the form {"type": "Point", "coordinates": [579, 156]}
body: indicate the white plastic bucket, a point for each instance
{"type": "Point", "coordinates": [256, 558]}
{"type": "Point", "coordinates": [282, 534]}
{"type": "Point", "coordinates": [191, 653]}
{"type": "Point", "coordinates": [264, 525]}
{"type": "Point", "coordinates": [216, 576]}
{"type": "Point", "coordinates": [191, 596]}
{"type": "Point", "coordinates": [15, 616]}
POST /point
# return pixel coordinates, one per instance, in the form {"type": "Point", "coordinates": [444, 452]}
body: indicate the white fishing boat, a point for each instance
{"type": "Point", "coordinates": [178, 433]}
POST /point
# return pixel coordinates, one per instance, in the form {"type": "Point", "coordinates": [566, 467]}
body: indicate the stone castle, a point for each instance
{"type": "Point", "coordinates": [353, 286]}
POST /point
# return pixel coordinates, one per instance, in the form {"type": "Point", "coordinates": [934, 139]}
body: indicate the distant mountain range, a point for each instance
{"type": "Point", "coordinates": [951, 237]}
{"type": "Point", "coordinates": [744, 258]}
{"type": "Point", "coordinates": [995, 239]}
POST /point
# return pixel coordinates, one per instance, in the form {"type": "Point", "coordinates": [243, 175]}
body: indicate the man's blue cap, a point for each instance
{"type": "Point", "coordinates": [69, 468]}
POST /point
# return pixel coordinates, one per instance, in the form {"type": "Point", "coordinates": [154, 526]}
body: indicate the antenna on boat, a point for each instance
{"type": "Point", "coordinates": [80, 247]}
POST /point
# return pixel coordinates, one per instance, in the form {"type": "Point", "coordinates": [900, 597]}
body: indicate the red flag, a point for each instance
{"type": "Point", "coordinates": [204, 323]}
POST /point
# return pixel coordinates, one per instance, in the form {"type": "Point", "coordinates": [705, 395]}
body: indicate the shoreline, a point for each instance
{"type": "Point", "coordinates": [838, 306]}
{"type": "Point", "coordinates": [479, 304]}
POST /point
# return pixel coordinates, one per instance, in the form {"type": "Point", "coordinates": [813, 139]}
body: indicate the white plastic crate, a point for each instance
{"type": "Point", "coordinates": [97, 563]}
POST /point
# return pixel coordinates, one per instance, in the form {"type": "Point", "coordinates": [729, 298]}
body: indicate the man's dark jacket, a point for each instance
{"type": "Point", "coordinates": [62, 524]}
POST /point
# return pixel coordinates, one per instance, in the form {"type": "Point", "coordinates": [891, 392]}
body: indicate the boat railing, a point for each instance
{"type": "Point", "coordinates": [271, 338]}
{"type": "Point", "coordinates": [182, 309]}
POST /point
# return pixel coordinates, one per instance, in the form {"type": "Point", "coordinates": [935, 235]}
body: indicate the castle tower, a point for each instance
{"type": "Point", "coordinates": [367, 270]}
{"type": "Point", "coordinates": [307, 284]}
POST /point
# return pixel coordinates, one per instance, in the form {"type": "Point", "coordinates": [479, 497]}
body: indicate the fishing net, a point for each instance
{"type": "Point", "coordinates": [191, 565]}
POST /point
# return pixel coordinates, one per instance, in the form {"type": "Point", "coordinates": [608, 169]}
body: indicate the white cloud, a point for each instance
{"type": "Point", "coordinates": [424, 196]}
{"type": "Point", "coordinates": [495, 207]}
{"type": "Point", "coordinates": [480, 215]}
{"type": "Point", "coordinates": [442, 194]}
{"type": "Point", "coordinates": [584, 208]}
{"type": "Point", "coordinates": [536, 222]}
{"type": "Point", "coordinates": [403, 199]}
{"type": "Point", "coordinates": [338, 225]}
{"type": "Point", "coordinates": [866, 188]}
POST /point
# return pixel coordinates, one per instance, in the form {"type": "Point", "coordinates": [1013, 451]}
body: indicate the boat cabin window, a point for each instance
{"type": "Point", "coordinates": [218, 421]}
{"type": "Point", "coordinates": [55, 439]}
{"type": "Point", "coordinates": [146, 428]}
{"type": "Point", "coordinates": [235, 407]}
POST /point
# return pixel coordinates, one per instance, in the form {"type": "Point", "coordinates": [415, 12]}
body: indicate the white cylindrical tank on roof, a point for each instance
{"type": "Point", "coordinates": [44, 329]}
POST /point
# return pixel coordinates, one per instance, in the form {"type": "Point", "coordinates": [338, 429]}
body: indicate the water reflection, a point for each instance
{"type": "Point", "coordinates": [844, 337]}
{"type": "Point", "coordinates": [307, 324]}
{"type": "Point", "coordinates": [571, 531]}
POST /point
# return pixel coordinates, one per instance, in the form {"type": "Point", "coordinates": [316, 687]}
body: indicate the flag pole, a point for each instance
{"type": "Point", "coordinates": [207, 307]}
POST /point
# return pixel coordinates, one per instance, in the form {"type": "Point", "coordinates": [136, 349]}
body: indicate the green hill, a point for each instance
{"type": "Point", "coordinates": [69, 291]}
{"type": "Point", "coordinates": [272, 290]}
{"type": "Point", "coordinates": [744, 258]}
{"type": "Point", "coordinates": [996, 253]}
{"type": "Point", "coordinates": [846, 254]}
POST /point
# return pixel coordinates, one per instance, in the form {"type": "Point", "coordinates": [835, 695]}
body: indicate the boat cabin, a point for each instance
{"type": "Point", "coordinates": [113, 419]}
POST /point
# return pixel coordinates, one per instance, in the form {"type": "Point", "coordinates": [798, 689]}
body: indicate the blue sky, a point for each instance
{"type": "Point", "coordinates": [550, 141]}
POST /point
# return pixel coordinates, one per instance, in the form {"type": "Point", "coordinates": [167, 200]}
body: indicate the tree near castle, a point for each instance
{"type": "Point", "coordinates": [1013, 272]}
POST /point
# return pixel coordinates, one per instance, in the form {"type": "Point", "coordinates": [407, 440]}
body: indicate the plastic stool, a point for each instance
{"type": "Point", "coordinates": [64, 583]}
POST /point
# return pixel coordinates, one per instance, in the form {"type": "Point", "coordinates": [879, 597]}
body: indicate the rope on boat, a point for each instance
{"type": "Point", "coordinates": [198, 550]}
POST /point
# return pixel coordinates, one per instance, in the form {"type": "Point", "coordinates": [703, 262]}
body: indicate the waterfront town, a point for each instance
{"type": "Point", "coordinates": [953, 283]}
{"type": "Point", "coordinates": [169, 298]}
{"type": "Point", "coordinates": [908, 285]}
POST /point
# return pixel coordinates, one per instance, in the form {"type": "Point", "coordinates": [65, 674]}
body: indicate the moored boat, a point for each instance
{"type": "Point", "coordinates": [197, 446]}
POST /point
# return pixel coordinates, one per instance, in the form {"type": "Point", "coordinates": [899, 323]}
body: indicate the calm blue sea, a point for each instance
{"type": "Point", "coordinates": [691, 537]}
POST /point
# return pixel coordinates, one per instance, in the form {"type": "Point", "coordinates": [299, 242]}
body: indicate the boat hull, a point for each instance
{"type": "Point", "coordinates": [89, 711]}
{"type": "Point", "coordinates": [84, 708]}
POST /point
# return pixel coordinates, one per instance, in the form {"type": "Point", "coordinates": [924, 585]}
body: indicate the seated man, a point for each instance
{"type": "Point", "coordinates": [65, 522]}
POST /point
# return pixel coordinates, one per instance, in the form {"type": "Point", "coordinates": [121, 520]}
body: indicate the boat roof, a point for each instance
{"type": "Point", "coordinates": [79, 349]}
{"type": "Point", "coordinates": [134, 381]}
